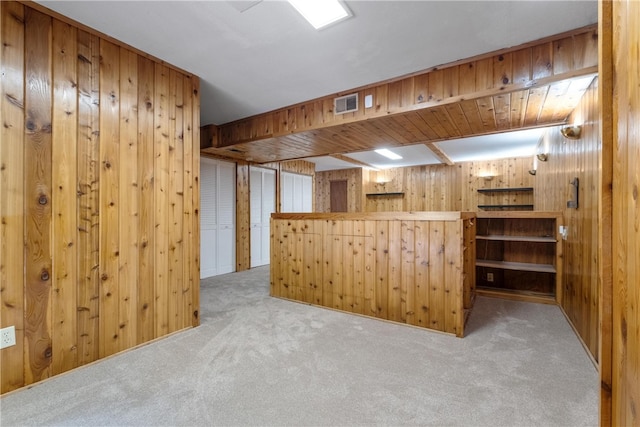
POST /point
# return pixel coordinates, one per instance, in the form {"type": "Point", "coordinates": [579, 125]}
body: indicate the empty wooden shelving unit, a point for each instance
{"type": "Point", "coordinates": [519, 255]}
{"type": "Point", "coordinates": [506, 199]}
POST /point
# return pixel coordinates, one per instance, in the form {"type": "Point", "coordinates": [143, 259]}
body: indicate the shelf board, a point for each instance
{"type": "Point", "coordinates": [385, 194]}
{"type": "Point", "coordinates": [520, 266]}
{"type": "Point", "coordinates": [516, 295]}
{"type": "Point", "coordinates": [505, 190]}
{"type": "Point", "coordinates": [535, 239]}
{"type": "Point", "coordinates": [504, 206]}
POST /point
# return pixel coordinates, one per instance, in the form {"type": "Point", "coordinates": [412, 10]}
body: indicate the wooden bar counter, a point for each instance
{"type": "Point", "coordinates": [416, 268]}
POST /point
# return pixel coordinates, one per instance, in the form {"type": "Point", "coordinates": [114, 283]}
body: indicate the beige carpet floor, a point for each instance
{"type": "Point", "coordinates": [257, 360]}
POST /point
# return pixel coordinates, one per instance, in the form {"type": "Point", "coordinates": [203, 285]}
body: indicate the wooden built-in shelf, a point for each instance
{"type": "Point", "coordinates": [536, 239]}
{"type": "Point", "coordinates": [520, 266]}
{"type": "Point", "coordinates": [505, 206]}
{"type": "Point", "coordinates": [385, 194]}
{"type": "Point", "coordinates": [505, 190]}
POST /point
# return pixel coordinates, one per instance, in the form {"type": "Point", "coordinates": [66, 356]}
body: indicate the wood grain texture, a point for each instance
{"type": "Point", "coordinates": [129, 211]}
{"type": "Point", "coordinates": [88, 197]}
{"type": "Point", "coordinates": [606, 84]}
{"type": "Point", "coordinates": [145, 311]}
{"type": "Point", "coordinates": [626, 214]}
{"type": "Point", "coordinates": [109, 197]}
{"type": "Point", "coordinates": [78, 193]}
{"type": "Point", "coordinates": [354, 189]}
{"type": "Point", "coordinates": [12, 192]}
{"type": "Point", "coordinates": [194, 262]}
{"type": "Point", "coordinates": [386, 264]}
{"type": "Point", "coordinates": [243, 218]}
{"type": "Point", "coordinates": [161, 198]}
{"type": "Point", "coordinates": [429, 188]}
{"type": "Point", "coordinates": [65, 201]}
{"type": "Point", "coordinates": [568, 160]}
{"type": "Point", "coordinates": [38, 165]}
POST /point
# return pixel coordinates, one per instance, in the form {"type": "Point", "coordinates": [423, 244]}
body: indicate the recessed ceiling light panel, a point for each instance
{"type": "Point", "coordinates": [389, 154]}
{"type": "Point", "coordinates": [321, 13]}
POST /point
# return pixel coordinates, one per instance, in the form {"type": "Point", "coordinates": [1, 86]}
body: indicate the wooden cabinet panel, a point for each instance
{"type": "Point", "coordinates": [413, 268]}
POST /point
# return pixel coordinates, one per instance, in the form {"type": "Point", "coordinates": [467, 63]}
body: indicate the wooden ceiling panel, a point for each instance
{"type": "Point", "coordinates": [535, 107]}
{"type": "Point", "coordinates": [534, 85]}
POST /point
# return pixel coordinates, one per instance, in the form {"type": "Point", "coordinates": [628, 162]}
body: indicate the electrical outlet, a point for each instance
{"type": "Point", "coordinates": [7, 337]}
{"type": "Point", "coordinates": [489, 277]}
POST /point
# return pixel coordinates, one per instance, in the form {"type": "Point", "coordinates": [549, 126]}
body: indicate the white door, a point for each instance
{"type": "Point", "coordinates": [296, 192]}
{"type": "Point", "coordinates": [217, 217]}
{"type": "Point", "coordinates": [262, 184]}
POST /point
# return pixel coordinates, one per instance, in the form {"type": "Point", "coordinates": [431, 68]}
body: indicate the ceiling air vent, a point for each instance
{"type": "Point", "coordinates": [345, 104]}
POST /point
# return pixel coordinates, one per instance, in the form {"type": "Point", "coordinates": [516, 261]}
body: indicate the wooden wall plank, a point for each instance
{"type": "Point", "coordinates": [243, 225]}
{"type": "Point", "coordinates": [606, 83]}
{"type": "Point", "coordinates": [162, 198]}
{"type": "Point", "coordinates": [453, 267]}
{"type": "Point", "coordinates": [407, 293]}
{"type": "Point", "coordinates": [348, 252]}
{"type": "Point", "coordinates": [109, 197]}
{"type": "Point", "coordinates": [421, 301]}
{"type": "Point", "coordinates": [394, 284]}
{"type": "Point", "coordinates": [436, 275]}
{"type": "Point", "coordinates": [64, 201]}
{"type": "Point", "coordinates": [188, 225]}
{"type": "Point", "coordinates": [88, 159]}
{"type": "Point", "coordinates": [176, 201]}
{"type": "Point", "coordinates": [38, 193]}
{"type": "Point", "coordinates": [146, 325]}
{"type": "Point", "coordinates": [194, 265]}
{"type": "Point", "coordinates": [129, 196]}
{"type": "Point", "coordinates": [626, 213]}
{"type": "Point", "coordinates": [358, 267]}
{"type": "Point", "coordinates": [12, 191]}
{"type": "Point", "coordinates": [369, 268]}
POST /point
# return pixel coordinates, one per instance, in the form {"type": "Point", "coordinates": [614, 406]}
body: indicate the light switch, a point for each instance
{"type": "Point", "coordinates": [368, 101]}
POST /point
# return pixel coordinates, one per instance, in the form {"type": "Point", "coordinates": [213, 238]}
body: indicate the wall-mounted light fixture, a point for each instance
{"type": "Point", "coordinates": [487, 176]}
{"type": "Point", "coordinates": [571, 132]}
{"type": "Point", "coordinates": [543, 157]}
{"type": "Point", "coordinates": [532, 171]}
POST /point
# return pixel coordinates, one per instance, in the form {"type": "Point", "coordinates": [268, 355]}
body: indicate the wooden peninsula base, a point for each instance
{"type": "Point", "coordinates": [416, 268]}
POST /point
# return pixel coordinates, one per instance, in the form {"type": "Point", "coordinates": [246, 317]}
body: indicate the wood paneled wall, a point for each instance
{"type": "Point", "coordinates": [243, 208]}
{"type": "Point", "coordinates": [323, 180]}
{"type": "Point", "coordinates": [413, 268]}
{"type": "Point", "coordinates": [622, 23]}
{"type": "Point", "coordinates": [569, 159]}
{"type": "Point", "coordinates": [99, 196]}
{"type": "Point", "coordinates": [430, 188]}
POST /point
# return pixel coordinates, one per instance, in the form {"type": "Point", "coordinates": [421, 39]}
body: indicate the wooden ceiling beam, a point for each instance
{"type": "Point", "coordinates": [352, 161]}
{"type": "Point", "coordinates": [441, 155]}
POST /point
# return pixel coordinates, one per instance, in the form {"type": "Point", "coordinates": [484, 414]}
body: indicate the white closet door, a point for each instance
{"type": "Point", "coordinates": [296, 192]}
{"type": "Point", "coordinates": [226, 218]}
{"type": "Point", "coordinates": [217, 217]}
{"type": "Point", "coordinates": [263, 203]}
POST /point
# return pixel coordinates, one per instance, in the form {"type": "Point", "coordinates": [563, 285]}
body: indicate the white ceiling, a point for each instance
{"type": "Point", "coordinates": [268, 57]}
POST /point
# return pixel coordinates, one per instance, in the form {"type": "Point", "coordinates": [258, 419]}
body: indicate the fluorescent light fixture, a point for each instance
{"type": "Point", "coordinates": [388, 154]}
{"type": "Point", "coordinates": [321, 13]}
